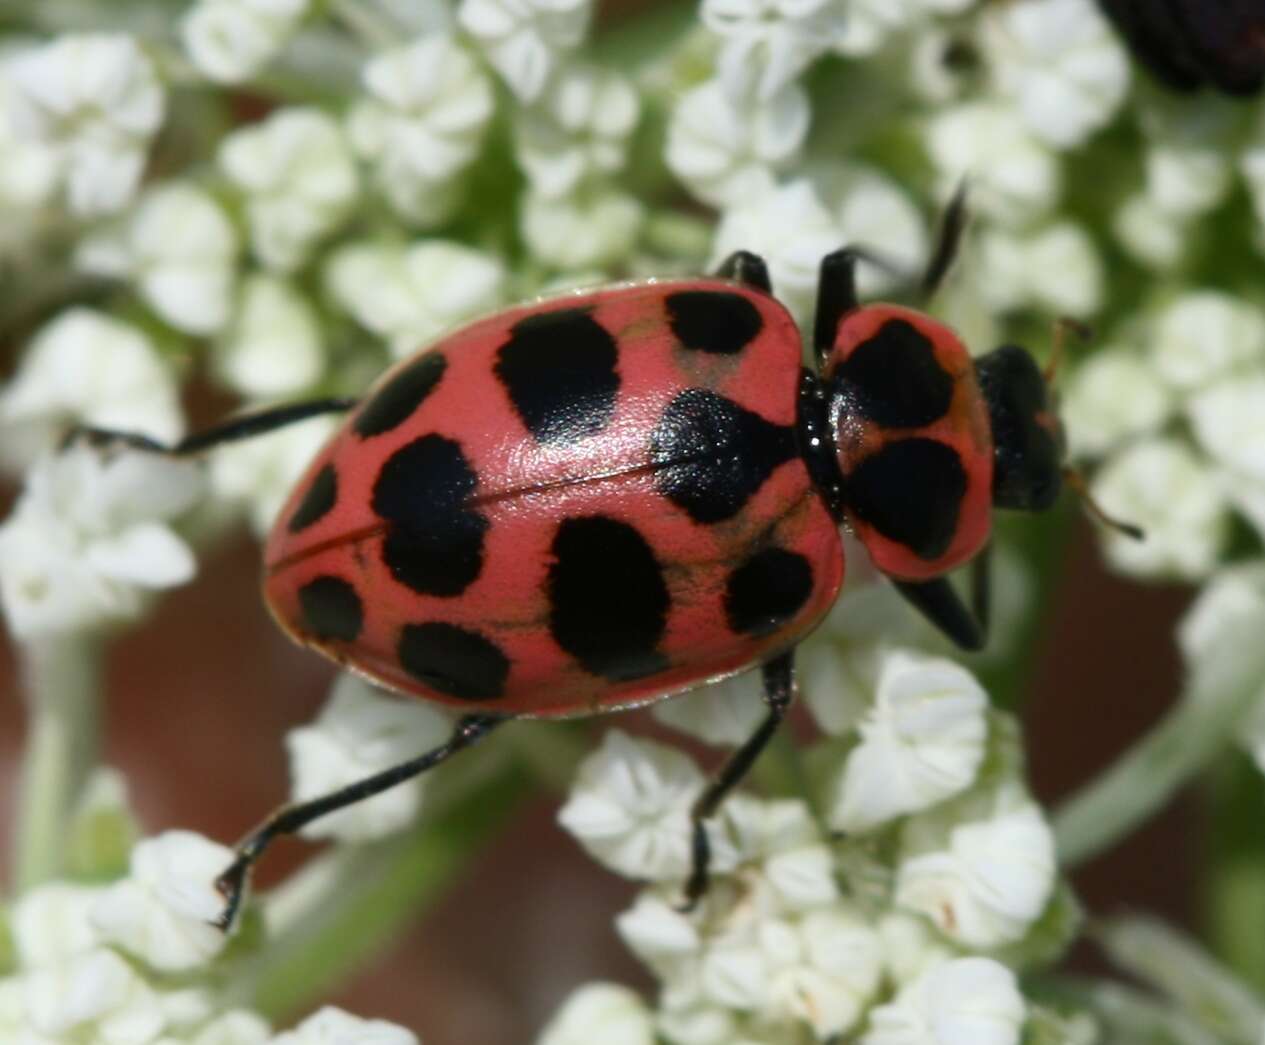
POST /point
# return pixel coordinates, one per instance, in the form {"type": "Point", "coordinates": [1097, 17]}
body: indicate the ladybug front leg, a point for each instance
{"type": "Point", "coordinates": [292, 818]}
{"type": "Point", "coordinates": [245, 426]}
{"type": "Point", "coordinates": [779, 691]}
{"type": "Point", "coordinates": [948, 242]}
{"type": "Point", "coordinates": [937, 600]}
{"type": "Point", "coordinates": [748, 269]}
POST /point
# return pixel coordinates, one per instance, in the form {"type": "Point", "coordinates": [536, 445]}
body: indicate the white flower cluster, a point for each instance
{"type": "Point", "coordinates": [799, 931]}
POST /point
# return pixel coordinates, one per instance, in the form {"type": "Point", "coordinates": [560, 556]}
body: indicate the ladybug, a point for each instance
{"type": "Point", "coordinates": [596, 501]}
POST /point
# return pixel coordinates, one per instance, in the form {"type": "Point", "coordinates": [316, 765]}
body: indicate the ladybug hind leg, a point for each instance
{"type": "Point", "coordinates": [939, 602]}
{"type": "Point", "coordinates": [291, 818]}
{"type": "Point", "coordinates": [245, 426]}
{"type": "Point", "coordinates": [748, 269]}
{"type": "Point", "coordinates": [779, 691]}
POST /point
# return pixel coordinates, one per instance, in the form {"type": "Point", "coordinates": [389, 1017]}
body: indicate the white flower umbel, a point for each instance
{"type": "Point", "coordinates": [593, 228]}
{"type": "Point", "coordinates": [1110, 398]}
{"type": "Point", "coordinates": [423, 122]}
{"type": "Point", "coordinates": [408, 295]}
{"type": "Point", "coordinates": [991, 883]}
{"type": "Point", "coordinates": [766, 44]}
{"type": "Point", "coordinates": [1063, 64]}
{"type": "Point", "coordinates": [967, 1001]}
{"type": "Point", "coordinates": [781, 838]}
{"type": "Point", "coordinates": [231, 40]}
{"type": "Point", "coordinates": [790, 228]}
{"type": "Point", "coordinates": [1228, 419]}
{"type": "Point", "coordinates": [163, 911]}
{"type": "Point", "coordinates": [578, 130]}
{"type": "Point", "coordinates": [180, 250]}
{"type": "Point", "coordinates": [1189, 154]}
{"type": "Point", "coordinates": [600, 1012]}
{"type": "Point", "coordinates": [630, 808]}
{"type": "Point", "coordinates": [1054, 268]}
{"type": "Point", "coordinates": [360, 732]}
{"type": "Point", "coordinates": [261, 472]}
{"type": "Point", "coordinates": [272, 348]}
{"type": "Point", "coordinates": [1155, 238]}
{"type": "Point", "coordinates": [727, 152]}
{"type": "Point", "coordinates": [96, 99]}
{"type": "Point", "coordinates": [1013, 177]}
{"type": "Point", "coordinates": [89, 538]}
{"type": "Point", "coordinates": [1162, 486]}
{"type": "Point", "coordinates": [50, 924]}
{"type": "Point", "coordinates": [331, 1026]}
{"type": "Point", "coordinates": [525, 39]}
{"type": "Point", "coordinates": [86, 367]}
{"type": "Point", "coordinates": [922, 742]}
{"type": "Point", "coordinates": [1205, 335]}
{"type": "Point", "coordinates": [93, 997]}
{"type": "Point", "coordinates": [29, 173]}
{"type": "Point", "coordinates": [299, 179]}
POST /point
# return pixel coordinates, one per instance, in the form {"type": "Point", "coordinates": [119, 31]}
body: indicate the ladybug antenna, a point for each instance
{"type": "Point", "coordinates": [1076, 482]}
{"type": "Point", "coordinates": [1063, 326]}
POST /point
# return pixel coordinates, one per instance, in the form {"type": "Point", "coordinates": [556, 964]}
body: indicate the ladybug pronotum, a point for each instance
{"type": "Point", "coordinates": [603, 499]}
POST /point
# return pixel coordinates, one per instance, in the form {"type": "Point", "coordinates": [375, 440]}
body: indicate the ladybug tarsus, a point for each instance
{"type": "Point", "coordinates": [778, 676]}
{"type": "Point", "coordinates": [290, 819]}
{"type": "Point", "coordinates": [939, 602]}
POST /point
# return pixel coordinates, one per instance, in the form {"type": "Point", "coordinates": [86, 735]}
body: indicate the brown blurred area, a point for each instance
{"type": "Point", "coordinates": [200, 697]}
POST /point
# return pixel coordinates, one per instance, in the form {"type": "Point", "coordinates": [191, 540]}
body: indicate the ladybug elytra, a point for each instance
{"type": "Point", "coordinates": [599, 500]}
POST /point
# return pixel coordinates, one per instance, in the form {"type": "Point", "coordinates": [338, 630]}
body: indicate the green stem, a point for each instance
{"type": "Point", "coordinates": [1223, 687]}
{"type": "Point", "coordinates": [63, 676]}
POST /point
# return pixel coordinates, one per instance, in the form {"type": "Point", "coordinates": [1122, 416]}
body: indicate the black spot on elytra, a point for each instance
{"type": "Point", "coordinates": [608, 603]}
{"type": "Point", "coordinates": [456, 661]}
{"type": "Point", "coordinates": [767, 590]}
{"type": "Point", "coordinates": [331, 609]}
{"type": "Point", "coordinates": [435, 541]}
{"type": "Point", "coordinates": [559, 371]}
{"type": "Point", "coordinates": [318, 500]}
{"type": "Point", "coordinates": [894, 378]}
{"type": "Point", "coordinates": [715, 321]}
{"type": "Point", "coordinates": [400, 397]}
{"type": "Point", "coordinates": [712, 455]}
{"type": "Point", "coordinates": [910, 491]}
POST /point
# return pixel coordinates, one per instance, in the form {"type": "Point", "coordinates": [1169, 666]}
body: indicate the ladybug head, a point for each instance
{"type": "Point", "coordinates": [1027, 435]}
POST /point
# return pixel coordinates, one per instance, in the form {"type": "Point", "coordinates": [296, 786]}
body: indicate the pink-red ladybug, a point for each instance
{"type": "Point", "coordinates": [606, 498]}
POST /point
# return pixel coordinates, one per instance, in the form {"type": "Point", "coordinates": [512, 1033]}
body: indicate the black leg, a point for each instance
{"type": "Point", "coordinates": [243, 427]}
{"type": "Point", "coordinates": [939, 603]}
{"type": "Point", "coordinates": [837, 292]}
{"type": "Point", "coordinates": [289, 819]}
{"type": "Point", "coordinates": [948, 242]}
{"type": "Point", "coordinates": [779, 689]}
{"type": "Point", "coordinates": [747, 268]}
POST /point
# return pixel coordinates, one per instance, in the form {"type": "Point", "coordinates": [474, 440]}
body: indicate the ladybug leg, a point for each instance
{"type": "Point", "coordinates": [244, 427]}
{"type": "Point", "coordinates": [948, 242]}
{"type": "Point", "coordinates": [837, 292]}
{"type": "Point", "coordinates": [779, 690]}
{"type": "Point", "coordinates": [937, 600]}
{"type": "Point", "coordinates": [747, 268]}
{"type": "Point", "coordinates": [291, 818]}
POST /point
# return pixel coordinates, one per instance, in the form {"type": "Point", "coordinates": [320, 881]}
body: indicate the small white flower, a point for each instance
{"type": "Point", "coordinates": [235, 1027]}
{"type": "Point", "coordinates": [1228, 419]}
{"type": "Point", "coordinates": [992, 882]}
{"type": "Point", "coordinates": [261, 472]}
{"type": "Point", "coordinates": [179, 249]}
{"type": "Point", "coordinates": [331, 1026]}
{"type": "Point", "coordinates": [409, 295]}
{"type": "Point", "coordinates": [659, 934]}
{"type": "Point", "coordinates": [783, 839]}
{"type": "Point", "coordinates": [272, 348]}
{"type": "Point", "coordinates": [29, 171]}
{"type": "Point", "coordinates": [630, 808]}
{"type": "Point", "coordinates": [1112, 397]}
{"type": "Point", "coordinates": [922, 742]}
{"type": "Point", "coordinates": [423, 122]}
{"type": "Point", "coordinates": [1154, 237]}
{"type": "Point", "coordinates": [837, 680]}
{"type": "Point", "coordinates": [1205, 335]}
{"type": "Point", "coordinates": [874, 212]}
{"type": "Point", "coordinates": [299, 179]}
{"type": "Point", "coordinates": [967, 1001]}
{"type": "Point", "coordinates": [910, 946]}
{"type": "Point", "coordinates": [231, 40]}
{"type": "Point", "coordinates": [93, 997]}
{"type": "Point", "coordinates": [579, 129]}
{"type": "Point", "coordinates": [766, 44]}
{"type": "Point", "coordinates": [1062, 62]}
{"type": "Point", "coordinates": [1163, 487]}
{"type": "Point", "coordinates": [600, 1012]}
{"type": "Point", "coordinates": [1012, 177]}
{"type": "Point", "coordinates": [525, 39]}
{"type": "Point", "coordinates": [84, 366]}
{"type": "Point", "coordinates": [591, 229]}
{"type": "Point", "coordinates": [726, 713]}
{"type": "Point", "coordinates": [163, 911]}
{"type": "Point", "coordinates": [51, 924]}
{"type": "Point", "coordinates": [358, 733]}
{"type": "Point", "coordinates": [792, 230]}
{"type": "Point", "coordinates": [88, 539]}
{"type": "Point", "coordinates": [1184, 181]}
{"type": "Point", "coordinates": [1055, 268]}
{"type": "Point", "coordinates": [96, 99]}
{"type": "Point", "coordinates": [868, 24]}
